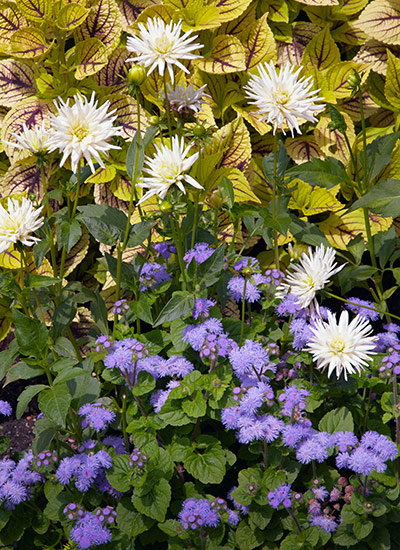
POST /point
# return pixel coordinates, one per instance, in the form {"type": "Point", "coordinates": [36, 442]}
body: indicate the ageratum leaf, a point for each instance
{"type": "Point", "coordinates": [384, 199]}
{"type": "Point", "coordinates": [322, 51]}
{"type": "Point", "coordinates": [103, 23]}
{"type": "Point", "coordinates": [105, 223]}
{"type": "Point", "coordinates": [179, 306]}
{"type": "Point", "coordinates": [337, 420]}
{"type": "Point", "coordinates": [381, 20]}
{"type": "Point", "coordinates": [71, 16]}
{"type": "Point", "coordinates": [259, 44]}
{"type": "Point", "coordinates": [227, 56]}
{"type": "Point", "coordinates": [341, 227]}
{"type": "Point", "coordinates": [231, 9]}
{"type": "Point", "coordinates": [16, 82]}
{"type": "Point", "coordinates": [91, 56]}
{"type": "Point", "coordinates": [153, 502]}
{"type": "Point", "coordinates": [35, 10]}
{"type": "Point", "coordinates": [31, 334]}
{"type": "Point", "coordinates": [324, 173]}
{"type": "Point", "coordinates": [28, 43]}
{"type": "Point", "coordinates": [54, 402]}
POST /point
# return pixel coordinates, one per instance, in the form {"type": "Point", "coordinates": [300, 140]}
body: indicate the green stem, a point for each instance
{"type": "Point", "coordinates": [48, 212]}
{"type": "Point", "coordinates": [196, 207]}
{"type": "Point", "coordinates": [124, 423]}
{"type": "Point", "coordinates": [274, 200]}
{"type": "Point", "coordinates": [291, 512]}
{"type": "Point", "coordinates": [369, 236]}
{"type": "Point", "coordinates": [178, 250]}
{"type": "Point", "coordinates": [167, 107]}
{"type": "Point", "coordinates": [364, 136]}
{"type": "Point", "coordinates": [74, 343]}
{"type": "Point", "coordinates": [78, 184]}
{"type": "Point", "coordinates": [243, 311]}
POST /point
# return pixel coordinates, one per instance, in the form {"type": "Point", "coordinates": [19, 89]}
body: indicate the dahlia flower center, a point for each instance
{"type": "Point", "coordinates": [338, 345]}
{"type": "Point", "coordinates": [309, 281]}
{"type": "Point", "coordinates": [81, 132]}
{"type": "Point", "coordinates": [163, 44]}
{"type": "Point", "coordinates": [282, 96]}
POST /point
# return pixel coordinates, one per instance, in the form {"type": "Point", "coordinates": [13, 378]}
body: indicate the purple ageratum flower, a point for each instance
{"type": "Point", "coordinates": [327, 523]}
{"type": "Point", "coordinates": [90, 531]}
{"type": "Point", "coordinates": [288, 306]}
{"type": "Point", "coordinates": [175, 366]}
{"type": "Point", "coordinates": [200, 253]}
{"type": "Point", "coordinates": [274, 276]}
{"type": "Point", "coordinates": [17, 479]}
{"type": "Point", "coordinates": [365, 462]}
{"type": "Point", "coordinates": [281, 495]}
{"type": "Point", "coordinates": [316, 447]}
{"type": "Point", "coordinates": [392, 360]}
{"type": "Point", "coordinates": [209, 339]}
{"type": "Point", "coordinates": [137, 459]}
{"type": "Point", "coordinates": [247, 261]}
{"type": "Point", "coordinates": [152, 275]}
{"type": "Point", "coordinates": [120, 306]}
{"type": "Point", "coordinates": [380, 445]}
{"type": "Point", "coordinates": [370, 314]}
{"type": "Point", "coordinates": [302, 333]}
{"type": "Point", "coordinates": [83, 468]}
{"type": "Point", "coordinates": [293, 399]}
{"type": "Point", "coordinates": [116, 442]}
{"type": "Point", "coordinates": [159, 398]}
{"type": "Point", "coordinates": [103, 343]}
{"type": "Point", "coordinates": [233, 517]}
{"type": "Point", "coordinates": [320, 493]}
{"type": "Point", "coordinates": [344, 440]}
{"type": "Point", "coordinates": [392, 327]}
{"type": "Point", "coordinates": [96, 416]}
{"type": "Point", "coordinates": [251, 360]}
{"type": "Point", "coordinates": [385, 340]}
{"type": "Point", "coordinates": [164, 249]}
{"type": "Point", "coordinates": [5, 408]}
{"type": "Point", "coordinates": [254, 397]}
{"type": "Point", "coordinates": [230, 417]}
{"type": "Point", "coordinates": [294, 434]}
{"type": "Point", "coordinates": [124, 356]}
{"type": "Point", "coordinates": [197, 513]}
{"type": "Point", "coordinates": [252, 293]}
{"type": "Point", "coordinates": [252, 428]}
{"type": "Point", "coordinates": [202, 307]}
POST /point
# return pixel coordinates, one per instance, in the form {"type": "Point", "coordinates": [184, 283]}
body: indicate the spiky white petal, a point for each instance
{"type": "Point", "coordinates": [181, 98]}
{"type": "Point", "coordinates": [309, 275]}
{"type": "Point", "coordinates": [18, 223]}
{"type": "Point", "coordinates": [168, 167]}
{"type": "Point", "coordinates": [32, 139]}
{"type": "Point", "coordinates": [282, 99]}
{"type": "Point", "coordinates": [160, 45]}
{"type": "Point", "coordinates": [341, 346]}
{"type": "Point", "coordinates": [82, 130]}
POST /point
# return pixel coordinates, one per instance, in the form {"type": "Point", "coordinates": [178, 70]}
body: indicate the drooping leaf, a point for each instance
{"type": "Point", "coordinates": [227, 56]}
{"type": "Point", "coordinates": [26, 396]}
{"type": "Point", "coordinates": [340, 227]}
{"type": "Point", "coordinates": [28, 43]}
{"type": "Point", "coordinates": [383, 198]}
{"type": "Point", "coordinates": [381, 20]}
{"type": "Point", "coordinates": [105, 223]}
{"type": "Point", "coordinates": [314, 200]}
{"type": "Point", "coordinates": [31, 334]}
{"type": "Point", "coordinates": [102, 23]}
{"type": "Point", "coordinates": [91, 56]}
{"type": "Point", "coordinates": [328, 172]}
{"type": "Point", "coordinates": [178, 307]}
{"type": "Point", "coordinates": [71, 16]}
{"type": "Point", "coordinates": [259, 44]}
{"type": "Point", "coordinates": [16, 82]}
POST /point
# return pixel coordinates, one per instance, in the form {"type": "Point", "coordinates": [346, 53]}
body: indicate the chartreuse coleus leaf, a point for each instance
{"type": "Point", "coordinates": [340, 227]}
{"type": "Point", "coordinates": [242, 191]}
{"type": "Point", "coordinates": [322, 52]}
{"type": "Point", "coordinates": [332, 140]}
{"type": "Point", "coordinates": [259, 44]}
{"type": "Point", "coordinates": [36, 10]}
{"type": "Point", "coordinates": [227, 55]}
{"type": "Point", "coordinates": [90, 57]}
{"type": "Point", "coordinates": [16, 82]}
{"type": "Point", "coordinates": [71, 16]}
{"type": "Point", "coordinates": [233, 140]}
{"type": "Point", "coordinates": [231, 9]}
{"type": "Point", "coordinates": [102, 23]}
{"type": "Point", "coordinates": [392, 84]}
{"type": "Point", "coordinates": [302, 149]}
{"type": "Point", "coordinates": [29, 43]}
{"type": "Point", "coordinates": [381, 20]}
{"type": "Point", "coordinates": [311, 200]}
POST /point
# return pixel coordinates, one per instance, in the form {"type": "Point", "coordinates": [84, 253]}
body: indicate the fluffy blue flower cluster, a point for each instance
{"type": "Point", "coordinates": [200, 253]}
{"type": "Point", "coordinates": [197, 513]}
{"type": "Point", "coordinates": [372, 453]}
{"type": "Point", "coordinates": [251, 362]}
{"type": "Point", "coordinates": [5, 408]}
{"type": "Point", "coordinates": [165, 249]}
{"type": "Point", "coordinates": [249, 285]}
{"type": "Point", "coordinates": [84, 469]}
{"type": "Point", "coordinates": [17, 479]}
{"type": "Point", "coordinates": [126, 356]}
{"type": "Point", "coordinates": [153, 274]}
{"type": "Point", "coordinates": [281, 495]}
{"type": "Point", "coordinates": [202, 307]}
{"type": "Point", "coordinates": [209, 339]}
{"type": "Point", "coordinates": [90, 528]}
{"type": "Point", "coordinates": [96, 416]}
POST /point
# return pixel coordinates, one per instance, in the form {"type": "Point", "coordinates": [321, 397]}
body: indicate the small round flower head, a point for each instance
{"type": "Point", "coordinates": [153, 274]}
{"type": "Point", "coordinates": [236, 287]}
{"type": "Point", "coordinates": [199, 253]}
{"type": "Point", "coordinates": [274, 276]}
{"type": "Point", "coordinates": [202, 307]}
{"type": "Point", "coordinates": [250, 360]}
{"type": "Point", "coordinates": [89, 531]}
{"type": "Point", "coordinates": [5, 408]}
{"type": "Point", "coordinates": [294, 434]}
{"type": "Point", "coordinates": [96, 416]}
{"type": "Point", "coordinates": [283, 99]}
{"type": "Point", "coordinates": [120, 306]}
{"type": "Point", "coordinates": [186, 101]}
{"type": "Point", "coordinates": [363, 461]}
{"type": "Point", "coordinates": [320, 493]}
{"type": "Point", "coordinates": [380, 445]}
{"type": "Point", "coordinates": [281, 495]}
{"type": "Point", "coordinates": [159, 398]}
{"type": "Point", "coordinates": [197, 513]}
{"type": "Point", "coordinates": [161, 45]}
{"type": "Point", "coordinates": [82, 130]}
{"type": "Point", "coordinates": [164, 249]}
{"type": "Point", "coordinates": [288, 306]}
{"type": "Point", "coordinates": [31, 139]}
{"type": "Point", "coordinates": [345, 440]}
{"type": "Point", "coordinates": [103, 343]}
{"type": "Point", "coordinates": [137, 459]}
{"type": "Point", "coordinates": [168, 167]}
{"type": "Point", "coordinates": [309, 275]}
{"type": "Point", "coordinates": [363, 308]}
{"type": "Point", "coordinates": [18, 222]}
{"type": "Point", "coordinates": [341, 346]}
{"type": "Point", "coordinates": [175, 366]}
{"type": "Point", "coordinates": [316, 447]}
{"type": "Point", "coordinates": [326, 522]}
{"type": "Point", "coordinates": [293, 399]}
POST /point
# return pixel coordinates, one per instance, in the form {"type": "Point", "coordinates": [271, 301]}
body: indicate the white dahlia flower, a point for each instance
{"type": "Point", "coordinates": [161, 45]}
{"type": "Point", "coordinates": [82, 130]}
{"type": "Point", "coordinates": [18, 223]}
{"type": "Point", "coordinates": [344, 347]}
{"type": "Point", "coordinates": [284, 98]}
{"type": "Point", "coordinates": [31, 139]}
{"type": "Point", "coordinates": [168, 167]}
{"type": "Point", "coordinates": [188, 99]}
{"type": "Point", "coordinates": [309, 275]}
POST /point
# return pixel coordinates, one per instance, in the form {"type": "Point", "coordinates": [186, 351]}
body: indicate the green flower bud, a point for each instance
{"type": "Point", "coordinates": [137, 75]}
{"type": "Point", "coordinates": [154, 120]}
{"type": "Point", "coordinates": [166, 207]}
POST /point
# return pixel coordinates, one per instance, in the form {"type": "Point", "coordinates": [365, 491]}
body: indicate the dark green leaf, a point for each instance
{"type": "Point", "coordinates": [63, 315]}
{"type": "Point", "coordinates": [209, 271]}
{"type": "Point", "coordinates": [383, 198]}
{"type": "Point", "coordinates": [31, 335]}
{"type": "Point", "coordinates": [131, 522]}
{"type": "Point", "coordinates": [120, 473]}
{"type": "Point", "coordinates": [54, 402]}
{"type": "Point", "coordinates": [337, 420]}
{"type": "Point", "coordinates": [84, 389]}
{"type": "Point", "coordinates": [179, 306]}
{"type": "Point", "coordinates": [142, 308]}
{"type": "Point", "coordinates": [139, 233]}
{"type": "Point", "coordinates": [68, 234]}
{"type": "Point", "coordinates": [145, 384]}
{"type": "Point", "coordinates": [105, 223]}
{"type": "Point", "coordinates": [153, 502]}
{"type": "Point", "coordinates": [25, 398]}
{"type": "Point", "coordinates": [136, 151]}
{"type": "Point", "coordinates": [323, 173]}
{"type": "Point", "coordinates": [379, 153]}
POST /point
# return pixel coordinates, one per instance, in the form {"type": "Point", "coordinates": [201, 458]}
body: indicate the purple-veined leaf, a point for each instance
{"type": "Point", "coordinates": [240, 23]}
{"type": "Point", "coordinates": [16, 82]}
{"type": "Point", "coordinates": [91, 56]}
{"type": "Point", "coordinates": [392, 84]}
{"type": "Point", "coordinates": [321, 52]}
{"type": "Point", "coordinates": [302, 149]}
{"type": "Point", "coordinates": [130, 11]}
{"type": "Point", "coordinates": [349, 34]}
{"type": "Point", "coordinates": [113, 74]}
{"type": "Point", "coordinates": [35, 10]}
{"type": "Point", "coordinates": [71, 16]}
{"type": "Point", "coordinates": [332, 142]}
{"type": "Point", "coordinates": [351, 106]}
{"type": "Point", "coordinates": [104, 195]}
{"type": "Point", "coordinates": [259, 44]}
{"type": "Point", "coordinates": [231, 9]}
{"type": "Point", "coordinates": [233, 140]}
{"type": "Point", "coordinates": [28, 43]}
{"type": "Point", "coordinates": [161, 11]}
{"type": "Point", "coordinates": [22, 178]}
{"type": "Point", "coordinates": [77, 253]}
{"type": "Point", "coordinates": [103, 23]}
{"type": "Point", "coordinates": [227, 56]}
{"type": "Point", "coordinates": [381, 20]}
{"type": "Point", "coordinates": [11, 19]}
{"type": "Point", "coordinates": [292, 53]}
{"type": "Point", "coordinates": [125, 108]}
{"type": "Point", "coordinates": [373, 54]}
{"type": "Point", "coordinates": [338, 75]}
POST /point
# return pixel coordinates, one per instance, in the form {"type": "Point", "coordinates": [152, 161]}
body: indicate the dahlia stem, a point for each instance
{"type": "Point", "coordinates": [331, 295]}
{"type": "Point", "coordinates": [167, 107]}
{"type": "Point", "coordinates": [78, 184]}
{"type": "Point", "coordinates": [274, 199]}
{"type": "Point", "coordinates": [48, 212]}
{"type": "Point", "coordinates": [178, 250]}
{"type": "Point", "coordinates": [196, 207]}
